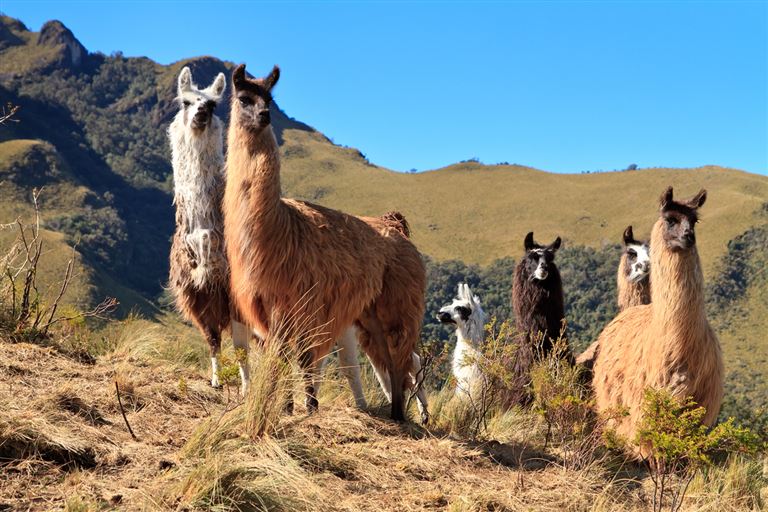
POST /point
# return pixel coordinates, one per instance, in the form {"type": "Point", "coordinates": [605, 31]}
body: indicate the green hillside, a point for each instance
{"type": "Point", "coordinates": [91, 133]}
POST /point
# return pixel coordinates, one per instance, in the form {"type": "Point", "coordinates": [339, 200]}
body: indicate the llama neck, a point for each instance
{"type": "Point", "coordinates": [253, 165]}
{"type": "Point", "coordinates": [198, 162]}
{"type": "Point", "coordinates": [466, 351]}
{"type": "Point", "coordinates": [472, 333]}
{"type": "Point", "coordinates": [677, 292]}
{"type": "Point", "coordinates": [631, 293]}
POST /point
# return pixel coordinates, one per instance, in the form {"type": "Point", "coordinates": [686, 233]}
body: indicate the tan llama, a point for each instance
{"type": "Point", "coordinates": [341, 272]}
{"type": "Point", "coordinates": [667, 344]}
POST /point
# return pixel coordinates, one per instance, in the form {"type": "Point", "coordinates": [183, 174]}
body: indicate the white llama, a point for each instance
{"type": "Point", "coordinates": [199, 273]}
{"type": "Point", "coordinates": [468, 316]}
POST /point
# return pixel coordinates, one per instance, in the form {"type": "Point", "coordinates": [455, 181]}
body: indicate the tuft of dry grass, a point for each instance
{"type": "Point", "coordinates": [243, 476]}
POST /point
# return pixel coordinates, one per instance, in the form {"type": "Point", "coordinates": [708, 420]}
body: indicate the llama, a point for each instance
{"type": "Point", "coordinates": [667, 344]}
{"type": "Point", "coordinates": [537, 294]}
{"type": "Point", "coordinates": [339, 271]}
{"type": "Point", "coordinates": [633, 278]}
{"type": "Point", "coordinates": [537, 300]}
{"type": "Point", "coordinates": [633, 285]}
{"type": "Point", "coordinates": [199, 273]}
{"type": "Point", "coordinates": [466, 313]}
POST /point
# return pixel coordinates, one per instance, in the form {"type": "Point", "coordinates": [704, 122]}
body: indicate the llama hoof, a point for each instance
{"type": "Point", "coordinates": [398, 417]}
{"type": "Point", "coordinates": [312, 405]}
{"type": "Point", "coordinates": [424, 419]}
{"type": "Point", "coordinates": [244, 389]}
{"type": "Point", "coordinates": [361, 404]}
{"type": "Point", "coordinates": [288, 409]}
{"type": "Point", "coordinates": [215, 383]}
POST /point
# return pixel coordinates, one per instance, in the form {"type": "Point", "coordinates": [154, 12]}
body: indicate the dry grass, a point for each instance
{"type": "Point", "coordinates": [65, 445]}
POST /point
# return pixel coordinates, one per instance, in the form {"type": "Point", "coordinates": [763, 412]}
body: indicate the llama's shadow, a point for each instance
{"type": "Point", "coordinates": [519, 456]}
{"type": "Point", "coordinates": [514, 455]}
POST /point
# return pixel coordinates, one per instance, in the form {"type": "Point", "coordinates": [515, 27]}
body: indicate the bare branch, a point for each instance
{"type": "Point", "coordinates": [8, 112]}
{"type": "Point", "coordinates": [122, 411]}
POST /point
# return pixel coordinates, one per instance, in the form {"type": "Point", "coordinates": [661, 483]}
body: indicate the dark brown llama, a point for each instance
{"type": "Point", "coordinates": [537, 300]}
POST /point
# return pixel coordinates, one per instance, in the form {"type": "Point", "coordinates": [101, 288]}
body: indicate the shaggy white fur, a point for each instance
{"type": "Point", "coordinates": [467, 314]}
{"type": "Point", "coordinates": [198, 165]}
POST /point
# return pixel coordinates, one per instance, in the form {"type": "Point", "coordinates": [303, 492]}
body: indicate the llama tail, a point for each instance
{"type": "Point", "coordinates": [397, 221]}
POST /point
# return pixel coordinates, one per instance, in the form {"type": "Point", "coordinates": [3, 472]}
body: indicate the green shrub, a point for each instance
{"type": "Point", "coordinates": [679, 445]}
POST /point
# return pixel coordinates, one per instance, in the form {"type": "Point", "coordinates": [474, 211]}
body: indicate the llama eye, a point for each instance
{"type": "Point", "coordinates": [632, 253]}
{"type": "Point", "coordinates": [671, 221]}
{"type": "Point", "coordinates": [245, 100]}
{"type": "Point", "coordinates": [187, 103]}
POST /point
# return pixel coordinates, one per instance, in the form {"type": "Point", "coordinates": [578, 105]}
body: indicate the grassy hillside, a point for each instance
{"type": "Point", "coordinates": [479, 213]}
{"type": "Point", "coordinates": [64, 444]}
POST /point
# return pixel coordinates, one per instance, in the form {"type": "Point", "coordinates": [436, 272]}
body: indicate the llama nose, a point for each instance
{"type": "Point", "coordinates": [264, 117]}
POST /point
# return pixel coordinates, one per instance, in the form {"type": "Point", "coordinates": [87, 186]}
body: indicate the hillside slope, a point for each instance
{"type": "Point", "coordinates": [65, 445]}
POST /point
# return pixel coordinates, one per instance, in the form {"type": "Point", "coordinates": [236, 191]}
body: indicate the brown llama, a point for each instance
{"type": "Point", "coordinates": [342, 272]}
{"type": "Point", "coordinates": [633, 284]}
{"type": "Point", "coordinates": [537, 300]}
{"type": "Point", "coordinates": [199, 274]}
{"type": "Point", "coordinates": [667, 344]}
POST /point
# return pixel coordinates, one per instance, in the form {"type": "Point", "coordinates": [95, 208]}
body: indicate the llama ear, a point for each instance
{"type": "Point", "coordinates": [272, 78]}
{"type": "Point", "coordinates": [666, 198]}
{"type": "Point", "coordinates": [467, 293]}
{"type": "Point", "coordinates": [219, 84]}
{"type": "Point", "coordinates": [698, 200]}
{"type": "Point", "coordinates": [185, 80]}
{"type": "Point", "coordinates": [238, 76]}
{"type": "Point", "coordinates": [529, 243]}
{"type": "Point", "coordinates": [554, 246]}
{"type": "Point", "coordinates": [629, 236]}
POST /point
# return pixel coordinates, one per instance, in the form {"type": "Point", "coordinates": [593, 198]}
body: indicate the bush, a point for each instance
{"type": "Point", "coordinates": [678, 445]}
{"type": "Point", "coordinates": [563, 399]}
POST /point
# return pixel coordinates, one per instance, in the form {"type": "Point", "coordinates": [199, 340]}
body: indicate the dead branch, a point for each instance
{"type": "Point", "coordinates": [105, 307]}
{"type": "Point", "coordinates": [8, 112]}
{"type": "Point", "coordinates": [122, 411]}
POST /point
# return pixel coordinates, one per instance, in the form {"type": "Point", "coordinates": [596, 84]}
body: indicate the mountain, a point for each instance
{"type": "Point", "coordinates": [91, 133]}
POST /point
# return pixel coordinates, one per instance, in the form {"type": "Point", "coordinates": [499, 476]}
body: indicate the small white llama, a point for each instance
{"type": "Point", "coordinates": [468, 316]}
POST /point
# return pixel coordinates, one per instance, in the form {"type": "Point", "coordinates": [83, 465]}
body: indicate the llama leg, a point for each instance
{"type": "Point", "coordinates": [417, 377]}
{"type": "Point", "coordinates": [311, 367]}
{"type": "Point", "coordinates": [213, 338]}
{"type": "Point", "coordinates": [240, 338]}
{"type": "Point", "coordinates": [398, 396]}
{"type": "Point", "coordinates": [394, 371]}
{"type": "Point", "coordinates": [349, 365]}
{"type": "Point", "coordinates": [383, 377]}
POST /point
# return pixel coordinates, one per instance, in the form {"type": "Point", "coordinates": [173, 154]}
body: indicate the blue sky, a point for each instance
{"type": "Point", "coordinates": [561, 86]}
